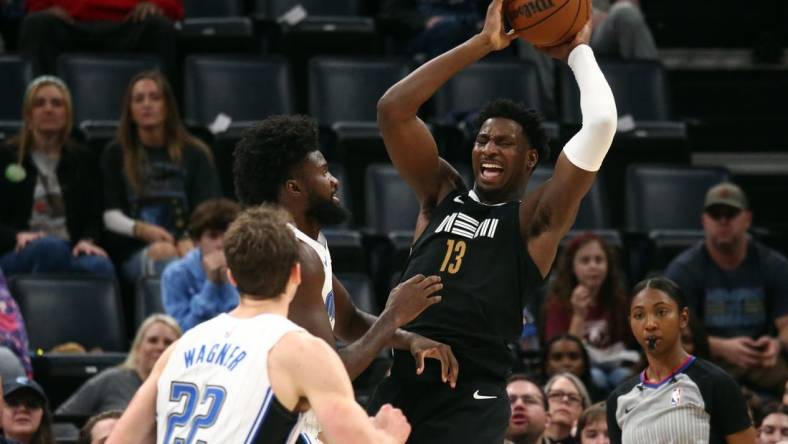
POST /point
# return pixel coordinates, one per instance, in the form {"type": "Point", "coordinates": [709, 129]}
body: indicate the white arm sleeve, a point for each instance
{"type": "Point", "coordinates": [588, 147]}
{"type": "Point", "coordinates": [117, 222]}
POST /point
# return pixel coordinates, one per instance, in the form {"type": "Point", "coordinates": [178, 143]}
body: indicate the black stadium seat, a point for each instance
{"type": "Point", "coordinates": [15, 74]}
{"type": "Point", "coordinates": [147, 299]}
{"type": "Point", "coordinates": [482, 82]}
{"type": "Point", "coordinates": [660, 197]}
{"type": "Point", "coordinates": [347, 251]}
{"type": "Point", "coordinates": [391, 203]}
{"type": "Point", "coordinates": [343, 96]}
{"type": "Point", "coordinates": [359, 287]}
{"type": "Point", "coordinates": [66, 308]}
{"type": "Point", "coordinates": [98, 82]}
{"type": "Point", "coordinates": [246, 88]}
{"type": "Point", "coordinates": [593, 213]}
{"type": "Point", "coordinates": [213, 8]}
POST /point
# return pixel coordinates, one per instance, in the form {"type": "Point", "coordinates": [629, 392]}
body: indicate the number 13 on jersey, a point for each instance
{"type": "Point", "coordinates": [455, 250]}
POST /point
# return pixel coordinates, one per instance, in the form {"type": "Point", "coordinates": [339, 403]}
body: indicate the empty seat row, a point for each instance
{"type": "Point", "coordinates": [340, 89]}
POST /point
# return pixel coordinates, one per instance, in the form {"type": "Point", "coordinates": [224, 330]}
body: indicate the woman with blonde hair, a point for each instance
{"type": "Point", "coordinates": [155, 173]}
{"type": "Point", "coordinates": [50, 220]}
{"type": "Point", "coordinates": [113, 388]}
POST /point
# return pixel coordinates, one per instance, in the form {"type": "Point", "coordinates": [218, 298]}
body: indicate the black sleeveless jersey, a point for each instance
{"type": "Point", "coordinates": [487, 275]}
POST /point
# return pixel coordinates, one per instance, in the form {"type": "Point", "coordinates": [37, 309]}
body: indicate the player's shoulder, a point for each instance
{"type": "Point", "coordinates": [709, 373]}
{"type": "Point", "coordinates": [297, 346]}
{"type": "Point", "coordinates": [625, 387]}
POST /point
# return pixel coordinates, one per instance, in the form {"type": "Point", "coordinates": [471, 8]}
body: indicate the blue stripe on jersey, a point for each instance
{"type": "Point", "coordinates": [305, 438]}
{"type": "Point", "coordinates": [260, 415]}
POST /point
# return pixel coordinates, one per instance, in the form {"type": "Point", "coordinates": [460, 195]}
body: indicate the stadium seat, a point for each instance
{"type": "Point", "coordinates": [347, 251]}
{"type": "Point", "coordinates": [147, 299]}
{"type": "Point", "coordinates": [667, 244]}
{"type": "Point", "coordinates": [473, 87]}
{"type": "Point", "coordinates": [348, 89]}
{"type": "Point", "coordinates": [660, 197]}
{"type": "Point", "coordinates": [68, 308]}
{"type": "Point", "coordinates": [640, 88]}
{"type": "Point", "coordinates": [15, 74]}
{"type": "Point", "coordinates": [213, 8]}
{"type": "Point", "coordinates": [246, 88]}
{"type": "Point", "coordinates": [593, 213]}
{"type": "Point", "coordinates": [98, 82]}
{"type": "Point", "coordinates": [216, 26]}
{"type": "Point", "coordinates": [61, 374]}
{"type": "Point", "coordinates": [391, 203]}
{"type": "Point", "coordinates": [343, 96]}
{"type": "Point", "coordinates": [359, 287]}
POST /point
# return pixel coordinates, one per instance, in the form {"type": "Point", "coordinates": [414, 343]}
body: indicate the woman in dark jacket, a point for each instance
{"type": "Point", "coordinates": [50, 217]}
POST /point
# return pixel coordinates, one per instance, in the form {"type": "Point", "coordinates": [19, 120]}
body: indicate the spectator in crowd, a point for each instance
{"type": "Point", "coordinates": [26, 418]}
{"type": "Point", "coordinates": [529, 410]}
{"type": "Point", "coordinates": [619, 31]}
{"type": "Point", "coordinates": [430, 27]}
{"type": "Point", "coordinates": [695, 339]}
{"type": "Point", "coordinates": [113, 388]}
{"type": "Point", "coordinates": [195, 288]}
{"type": "Point", "coordinates": [592, 425]}
{"type": "Point", "coordinates": [584, 300]}
{"type": "Point", "coordinates": [738, 288]}
{"type": "Point", "coordinates": [50, 219]}
{"type": "Point", "coordinates": [155, 173]}
{"type": "Point", "coordinates": [98, 427]}
{"type": "Point", "coordinates": [773, 426]}
{"type": "Point", "coordinates": [53, 27]}
{"type": "Point", "coordinates": [14, 358]}
{"type": "Point", "coordinates": [566, 353]}
{"type": "Point", "coordinates": [567, 397]}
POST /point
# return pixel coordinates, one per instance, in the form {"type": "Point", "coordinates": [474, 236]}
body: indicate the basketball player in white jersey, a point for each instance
{"type": "Point", "coordinates": [279, 162]}
{"type": "Point", "coordinates": [246, 376]}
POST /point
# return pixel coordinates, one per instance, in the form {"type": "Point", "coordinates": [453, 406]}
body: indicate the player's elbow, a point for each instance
{"type": "Point", "coordinates": [391, 108]}
{"type": "Point", "coordinates": [603, 126]}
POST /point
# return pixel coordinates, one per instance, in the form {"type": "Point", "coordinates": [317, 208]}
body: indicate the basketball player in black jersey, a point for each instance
{"type": "Point", "coordinates": [489, 247]}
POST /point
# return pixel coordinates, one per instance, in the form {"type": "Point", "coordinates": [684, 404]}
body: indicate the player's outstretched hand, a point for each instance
{"type": "Point", "coordinates": [421, 348]}
{"type": "Point", "coordinates": [561, 52]}
{"type": "Point", "coordinates": [392, 423]}
{"type": "Point", "coordinates": [494, 32]}
{"type": "Point", "coordinates": [408, 299]}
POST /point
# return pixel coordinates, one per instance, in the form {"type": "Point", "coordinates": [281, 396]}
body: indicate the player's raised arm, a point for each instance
{"type": "Point", "coordinates": [294, 377]}
{"type": "Point", "coordinates": [546, 219]}
{"type": "Point", "coordinates": [408, 141]}
{"type": "Point", "coordinates": [138, 423]}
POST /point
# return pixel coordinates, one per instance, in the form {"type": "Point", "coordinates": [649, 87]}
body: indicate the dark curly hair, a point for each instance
{"type": "Point", "coordinates": [268, 152]}
{"type": "Point", "coordinates": [612, 294]}
{"type": "Point", "coordinates": [530, 119]}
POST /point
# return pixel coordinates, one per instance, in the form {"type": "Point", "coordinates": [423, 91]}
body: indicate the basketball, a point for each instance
{"type": "Point", "coordinates": [547, 22]}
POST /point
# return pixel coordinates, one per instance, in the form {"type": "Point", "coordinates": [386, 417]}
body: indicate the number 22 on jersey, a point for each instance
{"type": "Point", "coordinates": [455, 250]}
{"type": "Point", "coordinates": [212, 397]}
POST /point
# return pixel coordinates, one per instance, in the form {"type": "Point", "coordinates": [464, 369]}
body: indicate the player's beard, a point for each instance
{"type": "Point", "coordinates": [325, 211]}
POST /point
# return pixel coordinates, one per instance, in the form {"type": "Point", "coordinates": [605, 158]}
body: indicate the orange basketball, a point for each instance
{"type": "Point", "coordinates": [547, 22]}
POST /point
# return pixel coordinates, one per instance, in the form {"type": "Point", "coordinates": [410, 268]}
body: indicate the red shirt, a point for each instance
{"type": "Point", "coordinates": [108, 10]}
{"type": "Point", "coordinates": [558, 317]}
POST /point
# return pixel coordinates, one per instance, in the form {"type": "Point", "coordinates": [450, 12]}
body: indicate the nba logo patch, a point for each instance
{"type": "Point", "coordinates": [675, 397]}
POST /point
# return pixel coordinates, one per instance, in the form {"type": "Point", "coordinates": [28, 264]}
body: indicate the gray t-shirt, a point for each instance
{"type": "Point", "coordinates": [49, 211]}
{"type": "Point", "coordinates": [111, 389]}
{"type": "Point", "coordinates": [740, 302]}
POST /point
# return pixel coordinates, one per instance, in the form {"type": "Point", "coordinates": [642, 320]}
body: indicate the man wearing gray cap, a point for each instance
{"type": "Point", "coordinates": [738, 287]}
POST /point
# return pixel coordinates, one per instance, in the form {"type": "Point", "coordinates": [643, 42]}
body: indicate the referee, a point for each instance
{"type": "Point", "coordinates": [678, 398]}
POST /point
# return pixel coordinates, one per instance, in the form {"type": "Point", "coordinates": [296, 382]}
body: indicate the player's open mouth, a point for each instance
{"type": "Point", "coordinates": [490, 170]}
